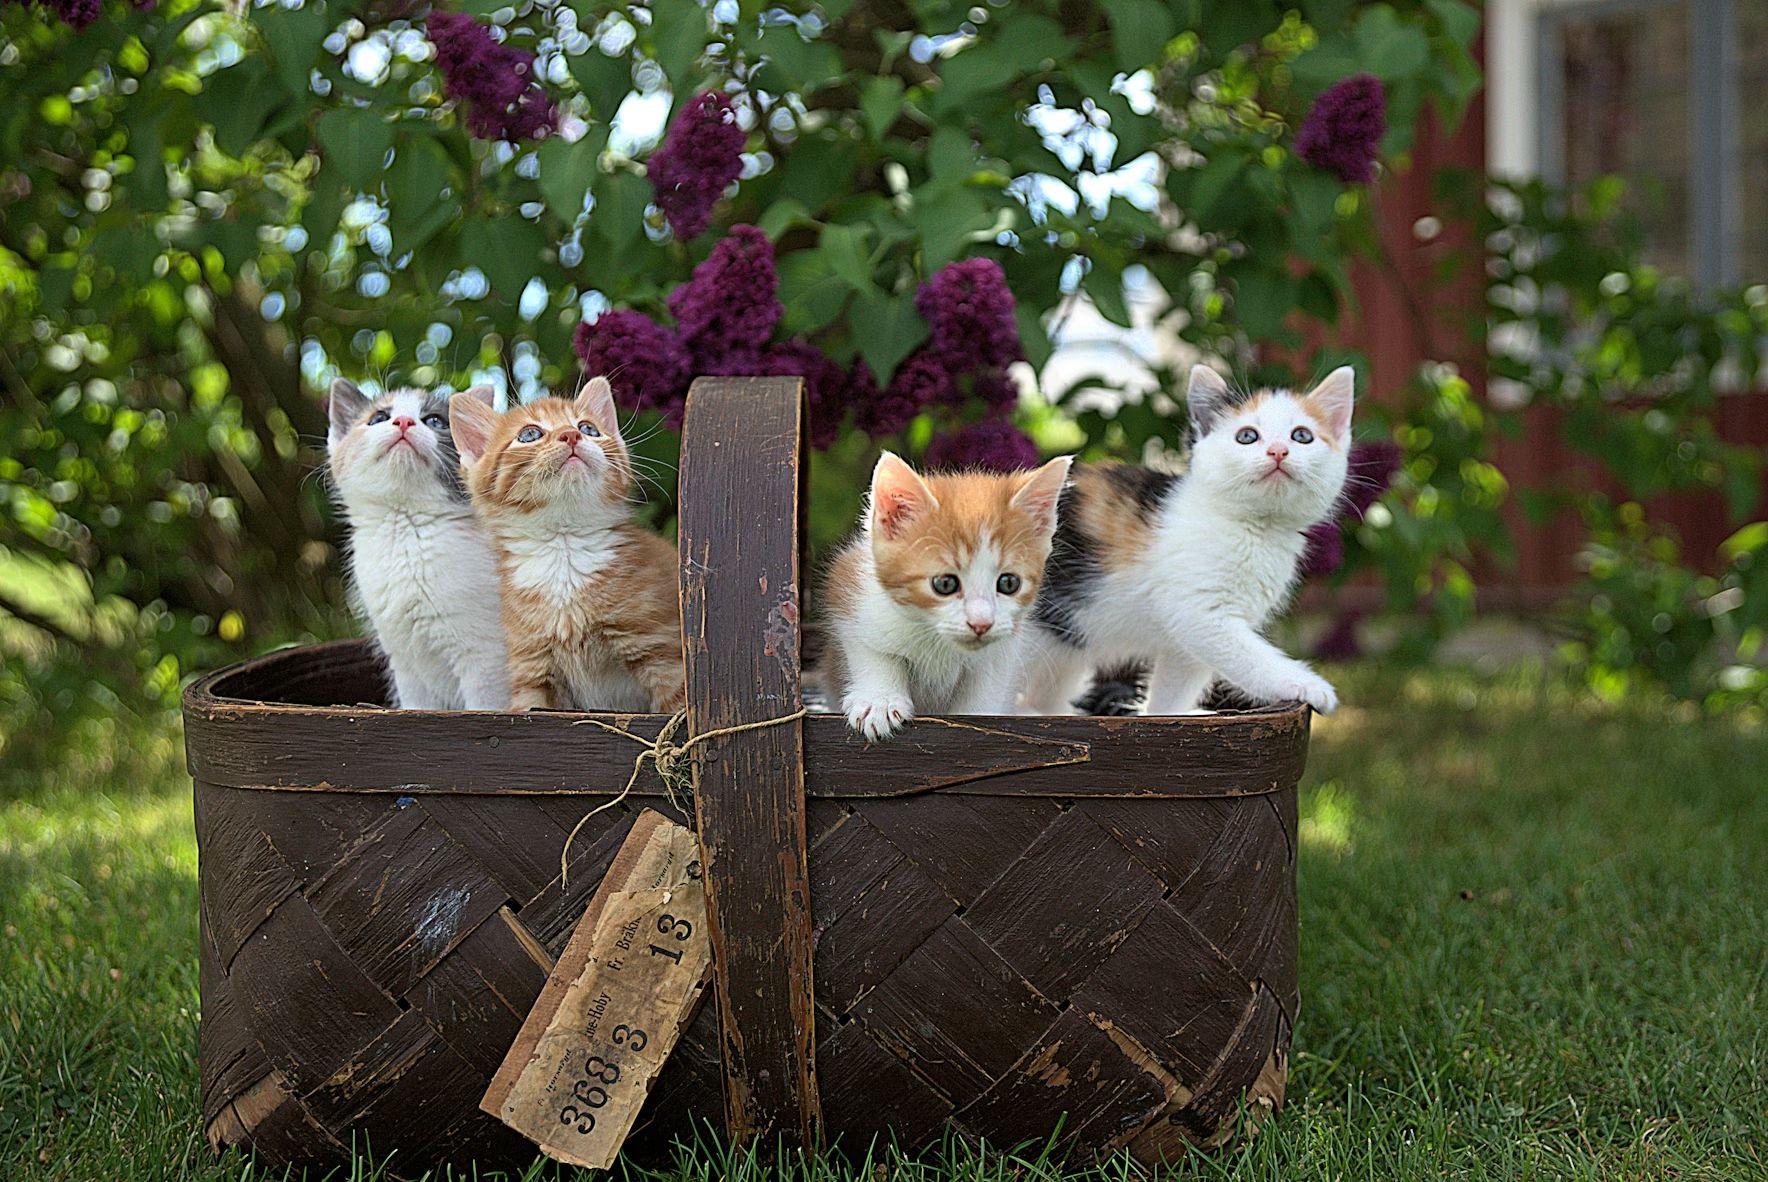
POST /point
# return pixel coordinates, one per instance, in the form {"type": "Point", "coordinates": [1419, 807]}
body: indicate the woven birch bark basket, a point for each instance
{"type": "Point", "coordinates": [1004, 925]}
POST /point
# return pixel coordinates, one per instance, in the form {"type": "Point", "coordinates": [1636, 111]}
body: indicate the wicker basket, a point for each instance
{"type": "Point", "coordinates": [997, 924]}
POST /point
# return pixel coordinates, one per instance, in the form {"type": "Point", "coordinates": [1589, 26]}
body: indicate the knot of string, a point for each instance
{"type": "Point", "coordinates": [674, 763]}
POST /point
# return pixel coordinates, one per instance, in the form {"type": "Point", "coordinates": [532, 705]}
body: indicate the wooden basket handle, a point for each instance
{"type": "Point", "coordinates": [742, 447]}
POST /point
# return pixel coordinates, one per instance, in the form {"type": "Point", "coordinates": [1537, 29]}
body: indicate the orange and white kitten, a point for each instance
{"type": "Point", "coordinates": [925, 604]}
{"type": "Point", "coordinates": [590, 606]}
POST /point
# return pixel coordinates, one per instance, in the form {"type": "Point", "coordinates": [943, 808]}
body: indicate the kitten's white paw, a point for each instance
{"type": "Point", "coordinates": [1313, 689]}
{"type": "Point", "coordinates": [878, 718]}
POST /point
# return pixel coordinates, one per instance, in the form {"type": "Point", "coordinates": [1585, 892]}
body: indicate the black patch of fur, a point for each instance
{"type": "Point", "coordinates": [1072, 574]}
{"type": "Point", "coordinates": [1146, 487]}
{"type": "Point", "coordinates": [1124, 691]}
{"type": "Point", "coordinates": [1069, 576]}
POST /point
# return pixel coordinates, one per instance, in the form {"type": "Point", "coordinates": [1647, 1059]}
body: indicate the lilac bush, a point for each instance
{"type": "Point", "coordinates": [969, 313]}
{"type": "Point", "coordinates": [1342, 132]}
{"type": "Point", "coordinates": [993, 445]}
{"type": "Point", "coordinates": [646, 362]}
{"type": "Point", "coordinates": [701, 155]}
{"type": "Point", "coordinates": [727, 311]}
{"type": "Point", "coordinates": [492, 82]}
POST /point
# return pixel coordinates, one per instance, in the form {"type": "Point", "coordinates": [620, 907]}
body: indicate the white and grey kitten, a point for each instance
{"type": "Point", "coordinates": [1185, 572]}
{"type": "Point", "coordinates": [421, 568]}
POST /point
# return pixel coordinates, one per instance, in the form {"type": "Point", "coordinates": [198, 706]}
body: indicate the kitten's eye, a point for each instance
{"type": "Point", "coordinates": [1246, 435]}
{"type": "Point", "coordinates": [945, 584]}
{"type": "Point", "coordinates": [436, 422]}
{"type": "Point", "coordinates": [1302, 435]}
{"type": "Point", "coordinates": [1007, 584]}
{"type": "Point", "coordinates": [529, 434]}
{"type": "Point", "coordinates": [590, 429]}
{"type": "Point", "coordinates": [379, 416]}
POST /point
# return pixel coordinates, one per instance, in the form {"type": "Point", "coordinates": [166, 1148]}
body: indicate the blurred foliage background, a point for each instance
{"type": "Point", "coordinates": [206, 213]}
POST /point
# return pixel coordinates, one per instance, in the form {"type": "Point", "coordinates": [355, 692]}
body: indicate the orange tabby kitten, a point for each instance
{"type": "Point", "coordinates": [589, 597]}
{"type": "Point", "coordinates": [926, 605]}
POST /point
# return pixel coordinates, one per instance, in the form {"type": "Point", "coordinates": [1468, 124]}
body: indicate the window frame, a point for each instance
{"type": "Point", "coordinates": [1526, 111]}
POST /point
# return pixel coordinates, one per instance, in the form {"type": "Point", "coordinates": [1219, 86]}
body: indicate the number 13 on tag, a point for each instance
{"type": "Point", "coordinates": [615, 1004]}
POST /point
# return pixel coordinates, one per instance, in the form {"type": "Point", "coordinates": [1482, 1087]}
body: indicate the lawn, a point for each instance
{"type": "Point", "coordinates": [1534, 944]}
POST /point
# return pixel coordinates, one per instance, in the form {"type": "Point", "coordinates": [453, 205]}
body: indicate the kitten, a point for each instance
{"type": "Point", "coordinates": [420, 565]}
{"type": "Point", "coordinates": [926, 603]}
{"type": "Point", "coordinates": [1186, 571]}
{"type": "Point", "coordinates": [590, 602]}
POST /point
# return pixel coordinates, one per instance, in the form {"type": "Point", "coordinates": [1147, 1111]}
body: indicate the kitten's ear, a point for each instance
{"type": "Point", "coordinates": [484, 393]}
{"type": "Point", "coordinates": [1331, 401]}
{"type": "Point", "coordinates": [470, 422]}
{"type": "Point", "coordinates": [1042, 492]}
{"type": "Point", "coordinates": [1206, 397]}
{"type": "Point", "coordinates": [343, 407]}
{"type": "Point", "coordinates": [899, 496]}
{"type": "Point", "coordinates": [596, 399]}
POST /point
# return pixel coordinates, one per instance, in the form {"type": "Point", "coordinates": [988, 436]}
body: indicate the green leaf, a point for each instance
{"type": "Point", "coordinates": [506, 249]}
{"type": "Point", "coordinates": [568, 170]}
{"type": "Point", "coordinates": [818, 169]}
{"type": "Point", "coordinates": [1140, 30]}
{"type": "Point", "coordinates": [1212, 182]}
{"type": "Point", "coordinates": [1033, 336]}
{"type": "Point", "coordinates": [812, 296]}
{"type": "Point", "coordinates": [295, 37]}
{"type": "Point", "coordinates": [319, 217]}
{"type": "Point", "coordinates": [980, 70]}
{"type": "Point", "coordinates": [794, 64]}
{"type": "Point", "coordinates": [1103, 283]}
{"type": "Point", "coordinates": [848, 253]}
{"type": "Point", "coordinates": [782, 215]}
{"type": "Point", "coordinates": [148, 190]}
{"type": "Point", "coordinates": [1313, 196]}
{"type": "Point", "coordinates": [605, 81]}
{"type": "Point", "coordinates": [950, 154]}
{"type": "Point", "coordinates": [679, 35]}
{"type": "Point", "coordinates": [1262, 298]}
{"type": "Point", "coordinates": [419, 200]}
{"type": "Point", "coordinates": [617, 221]}
{"type": "Point", "coordinates": [880, 101]}
{"type": "Point", "coordinates": [1029, 40]}
{"type": "Point", "coordinates": [946, 215]}
{"type": "Point", "coordinates": [1461, 21]}
{"type": "Point", "coordinates": [241, 101]}
{"type": "Point", "coordinates": [886, 329]}
{"type": "Point", "coordinates": [1389, 49]}
{"type": "Point", "coordinates": [356, 143]}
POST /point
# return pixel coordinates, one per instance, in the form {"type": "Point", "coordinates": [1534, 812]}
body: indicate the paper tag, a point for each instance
{"type": "Point", "coordinates": [615, 1005]}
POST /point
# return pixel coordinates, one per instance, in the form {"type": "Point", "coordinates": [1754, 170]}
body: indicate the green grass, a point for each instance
{"type": "Point", "coordinates": [1534, 944]}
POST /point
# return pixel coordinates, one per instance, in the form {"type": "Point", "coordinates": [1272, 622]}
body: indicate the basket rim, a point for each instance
{"type": "Point", "coordinates": [238, 741]}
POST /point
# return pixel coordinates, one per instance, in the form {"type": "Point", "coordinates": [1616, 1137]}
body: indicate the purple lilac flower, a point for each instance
{"type": "Point", "coordinates": [919, 382]}
{"type": "Point", "coordinates": [644, 361]}
{"type": "Point", "coordinates": [494, 82]}
{"type": "Point", "coordinates": [700, 157]}
{"type": "Point", "coordinates": [996, 389]}
{"type": "Point", "coordinates": [727, 311]}
{"type": "Point", "coordinates": [970, 313]}
{"type": "Point", "coordinates": [994, 445]}
{"type": "Point", "coordinates": [76, 14]}
{"type": "Point", "coordinates": [1325, 549]}
{"type": "Point", "coordinates": [1373, 466]}
{"type": "Point", "coordinates": [1342, 132]}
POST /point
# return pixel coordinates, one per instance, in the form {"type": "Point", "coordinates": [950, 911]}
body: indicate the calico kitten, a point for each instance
{"type": "Point", "coordinates": [925, 604]}
{"type": "Point", "coordinates": [420, 565]}
{"type": "Point", "coordinates": [589, 597]}
{"type": "Point", "coordinates": [1186, 571]}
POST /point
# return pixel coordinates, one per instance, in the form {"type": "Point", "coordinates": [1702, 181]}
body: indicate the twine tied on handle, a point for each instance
{"type": "Point", "coordinates": [673, 761]}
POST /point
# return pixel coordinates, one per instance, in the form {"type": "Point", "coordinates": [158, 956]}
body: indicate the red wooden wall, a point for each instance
{"type": "Point", "coordinates": [1407, 313]}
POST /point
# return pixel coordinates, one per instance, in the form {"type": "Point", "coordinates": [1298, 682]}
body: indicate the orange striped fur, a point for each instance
{"type": "Point", "coordinates": [590, 603]}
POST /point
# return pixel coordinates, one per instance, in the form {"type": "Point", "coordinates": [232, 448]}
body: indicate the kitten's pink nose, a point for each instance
{"type": "Point", "coordinates": [1278, 452]}
{"type": "Point", "coordinates": [981, 627]}
{"type": "Point", "coordinates": [404, 423]}
{"type": "Point", "coordinates": [570, 435]}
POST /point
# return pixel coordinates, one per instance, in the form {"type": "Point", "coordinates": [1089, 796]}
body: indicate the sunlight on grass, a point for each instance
{"type": "Point", "coordinates": [1326, 817]}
